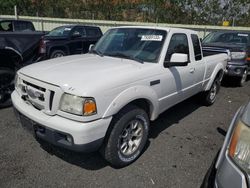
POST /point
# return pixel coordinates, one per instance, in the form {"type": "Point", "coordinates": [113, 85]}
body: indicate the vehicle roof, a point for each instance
{"type": "Point", "coordinates": [168, 29]}
{"type": "Point", "coordinates": [74, 25]}
{"type": "Point", "coordinates": [231, 31]}
{"type": "Point", "coordinates": [14, 20]}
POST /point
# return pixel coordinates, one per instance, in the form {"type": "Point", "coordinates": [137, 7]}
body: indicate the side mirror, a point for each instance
{"type": "Point", "coordinates": [91, 47]}
{"type": "Point", "coordinates": [177, 59]}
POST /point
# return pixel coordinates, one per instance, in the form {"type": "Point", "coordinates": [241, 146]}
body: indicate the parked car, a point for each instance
{"type": "Point", "coordinates": [105, 100]}
{"type": "Point", "coordinates": [16, 25]}
{"type": "Point", "coordinates": [231, 168]}
{"type": "Point", "coordinates": [238, 42]}
{"type": "Point", "coordinates": [19, 45]}
{"type": "Point", "coordinates": [68, 40]}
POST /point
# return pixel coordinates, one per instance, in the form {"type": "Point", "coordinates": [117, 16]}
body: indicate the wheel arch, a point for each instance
{"type": "Point", "coordinates": [140, 96]}
{"type": "Point", "coordinates": [63, 48]}
{"type": "Point", "coordinates": [218, 73]}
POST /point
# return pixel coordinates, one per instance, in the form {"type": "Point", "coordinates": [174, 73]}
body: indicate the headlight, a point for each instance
{"type": "Point", "coordinates": [16, 80]}
{"type": "Point", "coordinates": [78, 105]}
{"type": "Point", "coordinates": [239, 148]}
{"type": "Point", "coordinates": [238, 55]}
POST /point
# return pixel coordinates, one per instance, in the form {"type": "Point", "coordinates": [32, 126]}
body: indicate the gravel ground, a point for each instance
{"type": "Point", "coordinates": [183, 142]}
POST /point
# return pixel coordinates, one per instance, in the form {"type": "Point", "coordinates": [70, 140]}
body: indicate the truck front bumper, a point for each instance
{"type": "Point", "coordinates": [60, 131]}
{"type": "Point", "coordinates": [235, 70]}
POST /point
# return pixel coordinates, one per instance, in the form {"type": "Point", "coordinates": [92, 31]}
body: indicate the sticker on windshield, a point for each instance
{"type": "Point", "coordinates": [242, 35]}
{"type": "Point", "coordinates": [151, 38]}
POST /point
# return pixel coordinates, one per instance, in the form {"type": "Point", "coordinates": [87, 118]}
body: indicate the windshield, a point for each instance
{"type": "Point", "coordinates": [142, 45]}
{"type": "Point", "coordinates": [242, 38]}
{"type": "Point", "coordinates": [60, 31]}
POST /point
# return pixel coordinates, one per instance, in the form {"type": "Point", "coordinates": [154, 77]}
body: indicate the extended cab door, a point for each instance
{"type": "Point", "coordinates": [178, 81]}
{"type": "Point", "coordinates": [197, 64]}
{"type": "Point", "coordinates": [93, 34]}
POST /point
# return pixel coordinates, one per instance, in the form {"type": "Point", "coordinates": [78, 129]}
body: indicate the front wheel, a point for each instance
{"type": "Point", "coordinates": [57, 53]}
{"type": "Point", "coordinates": [208, 97]}
{"type": "Point", "coordinates": [243, 79]}
{"type": "Point", "coordinates": [127, 137]}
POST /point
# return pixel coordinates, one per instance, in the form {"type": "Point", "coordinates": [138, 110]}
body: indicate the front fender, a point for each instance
{"type": "Point", "coordinates": [131, 94]}
{"type": "Point", "coordinates": [219, 69]}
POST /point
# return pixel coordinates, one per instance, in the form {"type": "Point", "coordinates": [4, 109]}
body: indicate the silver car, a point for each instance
{"type": "Point", "coordinates": [231, 167]}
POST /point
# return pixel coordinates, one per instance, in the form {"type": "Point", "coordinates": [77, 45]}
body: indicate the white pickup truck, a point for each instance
{"type": "Point", "coordinates": [106, 99]}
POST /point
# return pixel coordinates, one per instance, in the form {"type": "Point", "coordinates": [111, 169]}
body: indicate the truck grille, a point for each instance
{"type": "Point", "coordinates": [40, 95]}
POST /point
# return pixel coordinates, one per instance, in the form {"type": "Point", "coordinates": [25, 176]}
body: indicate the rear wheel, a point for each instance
{"type": "Point", "coordinates": [127, 137]}
{"type": "Point", "coordinates": [57, 53]}
{"type": "Point", "coordinates": [6, 86]}
{"type": "Point", "coordinates": [209, 97]}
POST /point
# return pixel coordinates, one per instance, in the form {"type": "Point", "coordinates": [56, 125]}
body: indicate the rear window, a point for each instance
{"type": "Point", "coordinates": [93, 32]}
{"type": "Point", "coordinates": [197, 47]}
{"type": "Point", "coordinates": [24, 26]}
{"type": "Point", "coordinates": [6, 26]}
{"type": "Point", "coordinates": [236, 37]}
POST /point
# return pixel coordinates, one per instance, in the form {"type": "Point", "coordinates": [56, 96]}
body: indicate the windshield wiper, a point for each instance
{"type": "Point", "coordinates": [97, 52]}
{"type": "Point", "coordinates": [122, 55]}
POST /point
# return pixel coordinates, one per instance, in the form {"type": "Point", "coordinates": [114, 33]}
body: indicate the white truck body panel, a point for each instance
{"type": "Point", "coordinates": [114, 82]}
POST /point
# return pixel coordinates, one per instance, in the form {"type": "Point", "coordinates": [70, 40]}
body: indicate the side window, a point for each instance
{"type": "Point", "coordinates": [92, 32]}
{"type": "Point", "coordinates": [79, 31]}
{"type": "Point", "coordinates": [6, 26]}
{"type": "Point", "coordinates": [197, 47]}
{"type": "Point", "coordinates": [178, 44]}
{"type": "Point", "coordinates": [23, 26]}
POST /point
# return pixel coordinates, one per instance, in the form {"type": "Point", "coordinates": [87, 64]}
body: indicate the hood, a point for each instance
{"type": "Point", "coordinates": [88, 72]}
{"type": "Point", "coordinates": [233, 47]}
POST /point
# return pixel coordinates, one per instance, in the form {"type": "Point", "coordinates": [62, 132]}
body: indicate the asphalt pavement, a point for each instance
{"type": "Point", "coordinates": [183, 142]}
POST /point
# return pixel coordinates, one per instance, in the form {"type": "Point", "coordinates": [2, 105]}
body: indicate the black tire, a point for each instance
{"type": "Point", "coordinates": [208, 97]}
{"type": "Point", "coordinates": [117, 149]}
{"type": "Point", "coordinates": [242, 80]}
{"type": "Point", "coordinates": [57, 53]}
{"type": "Point", "coordinates": [6, 86]}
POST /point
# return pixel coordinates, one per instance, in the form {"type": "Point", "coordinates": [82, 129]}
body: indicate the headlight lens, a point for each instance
{"type": "Point", "coordinates": [238, 55]}
{"type": "Point", "coordinates": [78, 105]}
{"type": "Point", "coordinates": [239, 148]}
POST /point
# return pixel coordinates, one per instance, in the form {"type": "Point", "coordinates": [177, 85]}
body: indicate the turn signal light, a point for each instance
{"type": "Point", "coordinates": [89, 107]}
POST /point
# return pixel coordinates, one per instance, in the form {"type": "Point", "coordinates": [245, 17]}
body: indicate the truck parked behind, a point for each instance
{"type": "Point", "coordinates": [68, 40]}
{"type": "Point", "coordinates": [19, 44]}
{"type": "Point", "coordinates": [238, 42]}
{"type": "Point", "coordinates": [106, 99]}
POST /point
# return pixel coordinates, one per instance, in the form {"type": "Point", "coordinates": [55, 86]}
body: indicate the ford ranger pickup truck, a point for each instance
{"type": "Point", "coordinates": [105, 100]}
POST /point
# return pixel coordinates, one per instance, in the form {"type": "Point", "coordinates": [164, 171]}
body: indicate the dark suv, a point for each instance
{"type": "Point", "coordinates": [238, 42]}
{"type": "Point", "coordinates": [68, 40]}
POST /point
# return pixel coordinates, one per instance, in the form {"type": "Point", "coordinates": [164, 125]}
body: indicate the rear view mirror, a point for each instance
{"type": "Point", "coordinates": [91, 47]}
{"type": "Point", "coordinates": [177, 59]}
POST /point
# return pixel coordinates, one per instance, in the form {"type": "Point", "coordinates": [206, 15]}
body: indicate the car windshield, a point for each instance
{"type": "Point", "coordinates": [241, 38]}
{"type": "Point", "coordinates": [60, 31]}
{"type": "Point", "coordinates": [143, 45]}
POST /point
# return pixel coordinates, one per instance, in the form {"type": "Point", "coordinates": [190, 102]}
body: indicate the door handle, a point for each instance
{"type": "Point", "coordinates": [191, 70]}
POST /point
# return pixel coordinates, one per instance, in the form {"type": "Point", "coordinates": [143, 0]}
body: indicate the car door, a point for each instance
{"type": "Point", "coordinates": [177, 81]}
{"type": "Point", "coordinates": [92, 36]}
{"type": "Point", "coordinates": [76, 38]}
{"type": "Point", "coordinates": [198, 65]}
